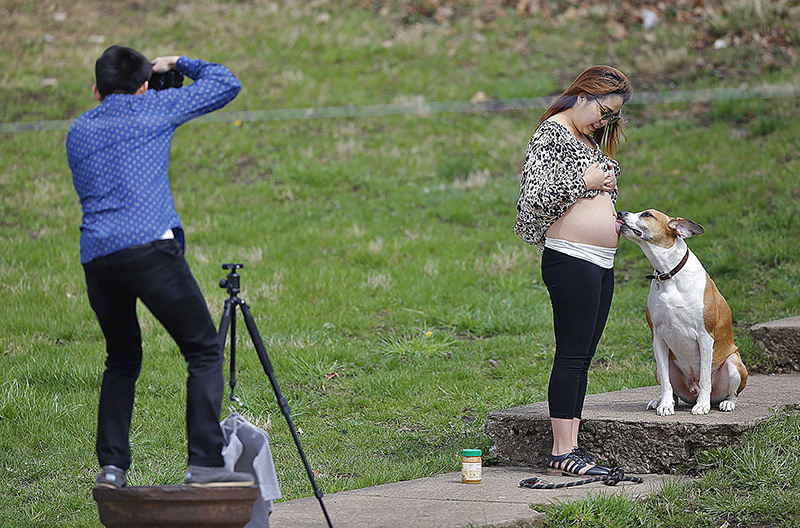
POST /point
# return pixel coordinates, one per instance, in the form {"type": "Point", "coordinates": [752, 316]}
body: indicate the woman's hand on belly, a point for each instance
{"type": "Point", "coordinates": [600, 177]}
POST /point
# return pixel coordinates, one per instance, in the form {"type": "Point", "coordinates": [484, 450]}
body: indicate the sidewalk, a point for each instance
{"type": "Point", "coordinates": [442, 501]}
{"type": "Point", "coordinates": [617, 429]}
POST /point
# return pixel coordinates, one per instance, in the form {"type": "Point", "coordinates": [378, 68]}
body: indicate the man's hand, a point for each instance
{"type": "Point", "coordinates": [164, 64]}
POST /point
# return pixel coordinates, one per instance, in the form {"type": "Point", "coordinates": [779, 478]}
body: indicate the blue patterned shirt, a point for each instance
{"type": "Point", "coordinates": [119, 156]}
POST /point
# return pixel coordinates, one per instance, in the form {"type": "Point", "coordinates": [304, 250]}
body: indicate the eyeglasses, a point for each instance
{"type": "Point", "coordinates": [605, 113]}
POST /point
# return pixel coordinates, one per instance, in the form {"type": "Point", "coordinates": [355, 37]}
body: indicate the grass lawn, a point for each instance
{"type": "Point", "coordinates": [395, 301]}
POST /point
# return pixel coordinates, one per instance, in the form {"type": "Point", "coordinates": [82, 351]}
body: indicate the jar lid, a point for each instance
{"type": "Point", "coordinates": [471, 452]}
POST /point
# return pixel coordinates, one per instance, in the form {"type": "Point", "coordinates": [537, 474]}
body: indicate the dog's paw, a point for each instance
{"type": "Point", "coordinates": [666, 409]}
{"type": "Point", "coordinates": [701, 408]}
{"type": "Point", "coordinates": [727, 405]}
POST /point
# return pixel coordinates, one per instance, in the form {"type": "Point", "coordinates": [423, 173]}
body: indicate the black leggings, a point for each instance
{"type": "Point", "coordinates": [580, 293]}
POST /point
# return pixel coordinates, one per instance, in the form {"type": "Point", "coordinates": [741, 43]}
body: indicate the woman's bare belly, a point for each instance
{"type": "Point", "coordinates": [588, 221]}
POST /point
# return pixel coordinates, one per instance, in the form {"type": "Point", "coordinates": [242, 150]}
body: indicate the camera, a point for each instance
{"type": "Point", "coordinates": [162, 81]}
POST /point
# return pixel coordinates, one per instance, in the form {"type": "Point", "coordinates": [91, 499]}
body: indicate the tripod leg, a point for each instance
{"type": "Point", "coordinates": [232, 375]}
{"type": "Point", "coordinates": [224, 322]}
{"type": "Point", "coordinates": [229, 318]}
{"type": "Point", "coordinates": [282, 403]}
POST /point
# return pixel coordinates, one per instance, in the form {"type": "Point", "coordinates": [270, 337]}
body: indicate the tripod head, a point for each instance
{"type": "Point", "coordinates": [231, 282]}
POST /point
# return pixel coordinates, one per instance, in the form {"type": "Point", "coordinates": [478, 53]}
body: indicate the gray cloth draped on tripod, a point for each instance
{"type": "Point", "coordinates": [247, 450]}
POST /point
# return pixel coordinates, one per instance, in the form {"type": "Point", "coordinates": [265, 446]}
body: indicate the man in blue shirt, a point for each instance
{"type": "Point", "coordinates": [132, 248]}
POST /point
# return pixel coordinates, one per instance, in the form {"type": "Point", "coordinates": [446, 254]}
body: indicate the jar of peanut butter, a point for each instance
{"type": "Point", "coordinates": [471, 466]}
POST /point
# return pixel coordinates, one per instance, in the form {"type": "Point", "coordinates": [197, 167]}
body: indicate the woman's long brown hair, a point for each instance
{"type": "Point", "coordinates": [597, 81]}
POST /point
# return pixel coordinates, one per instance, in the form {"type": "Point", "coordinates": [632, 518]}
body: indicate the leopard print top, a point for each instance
{"type": "Point", "coordinates": [551, 179]}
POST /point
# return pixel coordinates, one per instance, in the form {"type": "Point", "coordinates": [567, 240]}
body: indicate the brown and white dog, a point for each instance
{"type": "Point", "coordinates": [696, 359]}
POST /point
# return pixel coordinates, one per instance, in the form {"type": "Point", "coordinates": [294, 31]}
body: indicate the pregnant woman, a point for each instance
{"type": "Point", "coordinates": [568, 191]}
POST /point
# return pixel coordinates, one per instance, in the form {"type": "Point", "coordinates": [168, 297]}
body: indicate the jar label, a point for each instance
{"type": "Point", "coordinates": [471, 471]}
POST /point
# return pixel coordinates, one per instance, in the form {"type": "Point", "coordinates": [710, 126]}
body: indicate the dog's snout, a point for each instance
{"type": "Point", "coordinates": [622, 214]}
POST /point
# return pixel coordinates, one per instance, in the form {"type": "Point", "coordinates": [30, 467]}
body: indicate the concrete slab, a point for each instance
{"type": "Point", "coordinates": [442, 501]}
{"type": "Point", "coordinates": [619, 431]}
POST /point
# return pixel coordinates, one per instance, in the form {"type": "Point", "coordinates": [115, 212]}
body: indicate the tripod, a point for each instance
{"type": "Point", "coordinates": [229, 318]}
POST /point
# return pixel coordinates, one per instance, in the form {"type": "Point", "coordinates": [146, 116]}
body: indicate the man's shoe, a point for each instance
{"type": "Point", "coordinates": [111, 477]}
{"type": "Point", "coordinates": [217, 477]}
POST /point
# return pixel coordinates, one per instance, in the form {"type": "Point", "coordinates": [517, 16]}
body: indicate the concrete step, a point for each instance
{"type": "Point", "coordinates": [442, 501]}
{"type": "Point", "coordinates": [780, 341]}
{"type": "Point", "coordinates": [619, 431]}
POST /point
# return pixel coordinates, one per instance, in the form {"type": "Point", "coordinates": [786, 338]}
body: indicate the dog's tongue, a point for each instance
{"type": "Point", "coordinates": [617, 225]}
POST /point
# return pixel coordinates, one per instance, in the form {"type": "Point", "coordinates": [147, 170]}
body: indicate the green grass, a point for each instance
{"type": "Point", "coordinates": [377, 249]}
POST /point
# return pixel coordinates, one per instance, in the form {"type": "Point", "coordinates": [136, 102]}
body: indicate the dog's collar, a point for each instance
{"type": "Point", "coordinates": [665, 276]}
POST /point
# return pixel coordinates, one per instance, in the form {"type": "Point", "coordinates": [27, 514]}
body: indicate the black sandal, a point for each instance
{"type": "Point", "coordinates": [582, 454]}
{"type": "Point", "coordinates": [571, 465]}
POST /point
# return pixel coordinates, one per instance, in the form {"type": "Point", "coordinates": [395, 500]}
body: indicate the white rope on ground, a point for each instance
{"type": "Point", "coordinates": [424, 108]}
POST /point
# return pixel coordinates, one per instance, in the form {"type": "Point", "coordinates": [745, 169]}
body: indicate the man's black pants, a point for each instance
{"type": "Point", "coordinates": [157, 274]}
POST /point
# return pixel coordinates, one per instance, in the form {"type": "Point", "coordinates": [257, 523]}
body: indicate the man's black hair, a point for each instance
{"type": "Point", "coordinates": [121, 70]}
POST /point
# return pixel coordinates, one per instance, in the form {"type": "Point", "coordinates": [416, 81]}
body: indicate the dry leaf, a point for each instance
{"type": "Point", "coordinates": [479, 97]}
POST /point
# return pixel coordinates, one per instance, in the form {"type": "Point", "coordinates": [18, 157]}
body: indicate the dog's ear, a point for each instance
{"type": "Point", "coordinates": [685, 228]}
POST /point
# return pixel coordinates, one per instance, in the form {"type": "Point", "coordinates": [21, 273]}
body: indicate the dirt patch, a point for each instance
{"type": "Point", "coordinates": [729, 40]}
